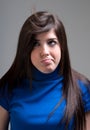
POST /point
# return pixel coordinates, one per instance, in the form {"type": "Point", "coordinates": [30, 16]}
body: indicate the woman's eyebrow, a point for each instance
{"type": "Point", "coordinates": [46, 39]}
{"type": "Point", "coordinates": [36, 40]}
{"type": "Point", "coordinates": [52, 39]}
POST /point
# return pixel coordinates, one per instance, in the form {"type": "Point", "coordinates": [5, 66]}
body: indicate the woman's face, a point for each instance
{"type": "Point", "coordinates": [46, 53]}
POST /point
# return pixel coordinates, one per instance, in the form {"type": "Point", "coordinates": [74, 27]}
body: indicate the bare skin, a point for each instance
{"type": "Point", "coordinates": [88, 121]}
{"type": "Point", "coordinates": [4, 119]}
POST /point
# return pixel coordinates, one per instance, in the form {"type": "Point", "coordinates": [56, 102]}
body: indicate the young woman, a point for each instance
{"type": "Point", "coordinates": [41, 91]}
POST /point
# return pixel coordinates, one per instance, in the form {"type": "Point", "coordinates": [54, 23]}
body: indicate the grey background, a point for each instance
{"type": "Point", "coordinates": [75, 15]}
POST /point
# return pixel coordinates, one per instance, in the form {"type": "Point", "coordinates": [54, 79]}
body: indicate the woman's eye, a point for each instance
{"type": "Point", "coordinates": [36, 44]}
{"type": "Point", "coordinates": [52, 43]}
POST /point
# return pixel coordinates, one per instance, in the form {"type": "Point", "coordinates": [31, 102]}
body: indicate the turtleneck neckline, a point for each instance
{"type": "Point", "coordinates": [38, 75]}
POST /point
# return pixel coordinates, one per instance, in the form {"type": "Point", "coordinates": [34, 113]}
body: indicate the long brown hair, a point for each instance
{"type": "Point", "coordinates": [21, 68]}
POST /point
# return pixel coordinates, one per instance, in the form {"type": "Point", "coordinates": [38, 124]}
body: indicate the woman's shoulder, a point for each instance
{"type": "Point", "coordinates": [85, 94]}
{"type": "Point", "coordinates": [82, 80]}
{"type": "Point", "coordinates": [84, 86]}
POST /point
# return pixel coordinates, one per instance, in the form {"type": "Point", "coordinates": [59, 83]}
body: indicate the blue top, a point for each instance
{"type": "Point", "coordinates": [31, 110]}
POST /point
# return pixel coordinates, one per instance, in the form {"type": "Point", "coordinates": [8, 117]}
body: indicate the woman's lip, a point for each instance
{"type": "Point", "coordinates": [46, 61]}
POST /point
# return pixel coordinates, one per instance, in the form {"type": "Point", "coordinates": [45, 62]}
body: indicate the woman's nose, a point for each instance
{"type": "Point", "coordinates": [44, 50]}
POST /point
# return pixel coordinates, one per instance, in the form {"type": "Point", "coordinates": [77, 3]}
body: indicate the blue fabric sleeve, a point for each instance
{"type": "Point", "coordinates": [85, 90]}
{"type": "Point", "coordinates": [4, 98]}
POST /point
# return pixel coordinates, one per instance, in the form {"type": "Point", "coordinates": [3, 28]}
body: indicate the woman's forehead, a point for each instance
{"type": "Point", "coordinates": [45, 35]}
